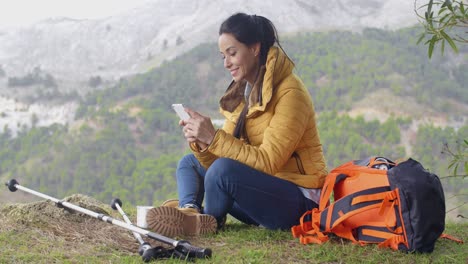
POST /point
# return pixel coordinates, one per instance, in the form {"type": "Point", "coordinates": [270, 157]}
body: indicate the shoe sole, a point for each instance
{"type": "Point", "coordinates": [171, 222]}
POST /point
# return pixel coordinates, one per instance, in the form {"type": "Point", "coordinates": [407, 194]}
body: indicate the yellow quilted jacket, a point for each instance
{"type": "Point", "coordinates": [282, 134]}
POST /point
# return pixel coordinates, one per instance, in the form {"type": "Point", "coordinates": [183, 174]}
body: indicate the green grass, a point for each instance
{"type": "Point", "coordinates": [238, 243]}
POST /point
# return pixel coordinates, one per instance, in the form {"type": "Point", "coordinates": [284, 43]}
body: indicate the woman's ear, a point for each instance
{"type": "Point", "coordinates": [255, 49]}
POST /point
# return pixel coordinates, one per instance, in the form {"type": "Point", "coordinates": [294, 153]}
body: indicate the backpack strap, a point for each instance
{"type": "Point", "coordinates": [327, 189]}
{"type": "Point", "coordinates": [330, 219]}
{"type": "Point", "coordinates": [450, 237]}
{"type": "Point", "coordinates": [308, 232]}
{"type": "Point", "coordinates": [393, 242]}
{"type": "Point", "coordinates": [372, 234]}
{"type": "Point", "coordinates": [352, 204]}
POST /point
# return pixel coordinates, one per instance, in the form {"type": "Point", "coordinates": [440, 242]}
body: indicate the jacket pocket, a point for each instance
{"type": "Point", "coordinates": [299, 162]}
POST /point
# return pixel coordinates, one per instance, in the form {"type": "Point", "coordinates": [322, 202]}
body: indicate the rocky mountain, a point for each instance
{"type": "Point", "coordinates": [143, 37]}
{"type": "Point", "coordinates": [72, 53]}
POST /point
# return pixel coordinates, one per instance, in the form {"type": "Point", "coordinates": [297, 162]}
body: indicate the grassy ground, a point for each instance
{"type": "Point", "coordinates": [72, 238]}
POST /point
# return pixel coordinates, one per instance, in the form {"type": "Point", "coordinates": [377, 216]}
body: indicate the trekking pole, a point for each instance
{"type": "Point", "coordinates": [182, 248]}
{"type": "Point", "coordinates": [145, 250]}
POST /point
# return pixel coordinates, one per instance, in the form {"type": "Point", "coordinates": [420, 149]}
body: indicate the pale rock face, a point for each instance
{"type": "Point", "coordinates": [73, 51]}
{"type": "Point", "coordinates": [14, 116]}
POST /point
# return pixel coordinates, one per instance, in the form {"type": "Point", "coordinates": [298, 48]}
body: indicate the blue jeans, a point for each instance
{"type": "Point", "coordinates": [251, 196]}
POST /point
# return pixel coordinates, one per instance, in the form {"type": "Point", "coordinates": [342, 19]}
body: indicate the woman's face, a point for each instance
{"type": "Point", "coordinates": [241, 60]}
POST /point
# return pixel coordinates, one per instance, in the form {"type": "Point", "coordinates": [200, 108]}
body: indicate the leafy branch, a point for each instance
{"type": "Point", "coordinates": [459, 157]}
{"type": "Point", "coordinates": [440, 17]}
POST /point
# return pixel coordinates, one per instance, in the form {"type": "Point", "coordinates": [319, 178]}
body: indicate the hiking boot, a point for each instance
{"type": "Point", "coordinates": [175, 203]}
{"type": "Point", "coordinates": [172, 221]}
{"type": "Point", "coordinates": [171, 203]}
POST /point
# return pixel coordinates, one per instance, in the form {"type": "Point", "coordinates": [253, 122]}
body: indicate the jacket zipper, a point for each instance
{"type": "Point", "coordinates": [299, 162]}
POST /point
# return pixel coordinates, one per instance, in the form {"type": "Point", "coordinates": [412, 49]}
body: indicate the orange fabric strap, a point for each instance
{"type": "Point", "coordinates": [368, 198]}
{"type": "Point", "coordinates": [327, 190]}
{"type": "Point", "coordinates": [376, 233]}
{"type": "Point", "coordinates": [446, 236]}
{"type": "Point", "coordinates": [344, 231]}
{"type": "Point", "coordinates": [310, 239]}
{"type": "Point", "coordinates": [393, 242]}
{"type": "Point", "coordinates": [303, 227]}
{"type": "Point", "coordinates": [351, 213]}
{"type": "Point", "coordinates": [389, 201]}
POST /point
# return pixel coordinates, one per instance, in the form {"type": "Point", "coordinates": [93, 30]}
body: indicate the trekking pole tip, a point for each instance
{"type": "Point", "coordinates": [116, 201]}
{"type": "Point", "coordinates": [11, 185]}
{"type": "Point", "coordinates": [143, 248]}
{"type": "Point", "coordinates": [186, 250]}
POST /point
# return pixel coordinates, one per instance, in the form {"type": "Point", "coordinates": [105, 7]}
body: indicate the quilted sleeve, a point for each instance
{"type": "Point", "coordinates": [281, 133]}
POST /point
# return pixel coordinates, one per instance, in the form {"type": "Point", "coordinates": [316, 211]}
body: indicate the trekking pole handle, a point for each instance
{"type": "Point", "coordinates": [189, 251]}
{"type": "Point", "coordinates": [12, 185]}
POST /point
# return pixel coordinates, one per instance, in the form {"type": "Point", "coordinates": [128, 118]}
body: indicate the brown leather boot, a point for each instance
{"type": "Point", "coordinates": [171, 203]}
{"type": "Point", "coordinates": [172, 221]}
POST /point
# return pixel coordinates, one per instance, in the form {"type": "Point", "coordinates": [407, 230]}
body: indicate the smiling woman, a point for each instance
{"type": "Point", "coordinates": [24, 12]}
{"type": "Point", "coordinates": [265, 166]}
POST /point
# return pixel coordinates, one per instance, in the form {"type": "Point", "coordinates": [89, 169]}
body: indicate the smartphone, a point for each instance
{"type": "Point", "coordinates": [179, 109]}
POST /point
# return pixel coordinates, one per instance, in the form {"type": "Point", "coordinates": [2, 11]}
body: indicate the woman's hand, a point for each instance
{"type": "Point", "coordinates": [198, 129]}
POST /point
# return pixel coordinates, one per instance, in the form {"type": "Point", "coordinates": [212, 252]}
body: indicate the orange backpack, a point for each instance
{"type": "Point", "coordinates": [400, 206]}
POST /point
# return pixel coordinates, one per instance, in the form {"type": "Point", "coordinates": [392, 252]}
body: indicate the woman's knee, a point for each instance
{"type": "Point", "coordinates": [186, 167]}
{"type": "Point", "coordinates": [186, 161]}
{"type": "Point", "coordinates": [221, 169]}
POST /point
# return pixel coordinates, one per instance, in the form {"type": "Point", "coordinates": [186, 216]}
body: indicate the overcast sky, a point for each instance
{"type": "Point", "coordinates": [15, 13]}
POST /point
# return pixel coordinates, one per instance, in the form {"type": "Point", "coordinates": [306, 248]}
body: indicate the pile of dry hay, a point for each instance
{"type": "Point", "coordinates": [70, 225]}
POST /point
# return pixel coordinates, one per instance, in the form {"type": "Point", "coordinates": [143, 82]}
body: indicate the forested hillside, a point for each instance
{"type": "Point", "coordinates": [126, 141]}
{"type": "Point", "coordinates": [340, 68]}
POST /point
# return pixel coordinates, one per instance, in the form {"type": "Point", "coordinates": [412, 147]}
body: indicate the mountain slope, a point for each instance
{"type": "Point", "coordinates": [145, 36]}
{"type": "Point", "coordinates": [127, 141]}
{"type": "Point", "coordinates": [78, 56]}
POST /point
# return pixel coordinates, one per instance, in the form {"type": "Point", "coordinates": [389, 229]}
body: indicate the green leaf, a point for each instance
{"type": "Point", "coordinates": [466, 167]}
{"type": "Point", "coordinates": [430, 20]}
{"type": "Point", "coordinates": [448, 3]}
{"type": "Point", "coordinates": [449, 40]}
{"type": "Point", "coordinates": [466, 141]}
{"type": "Point", "coordinates": [429, 6]}
{"type": "Point", "coordinates": [442, 47]}
{"type": "Point", "coordinates": [441, 21]}
{"type": "Point", "coordinates": [442, 10]}
{"type": "Point", "coordinates": [453, 162]}
{"type": "Point", "coordinates": [443, 5]}
{"type": "Point", "coordinates": [431, 46]}
{"type": "Point", "coordinates": [420, 38]}
{"type": "Point", "coordinates": [462, 8]}
{"type": "Point", "coordinates": [455, 170]}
